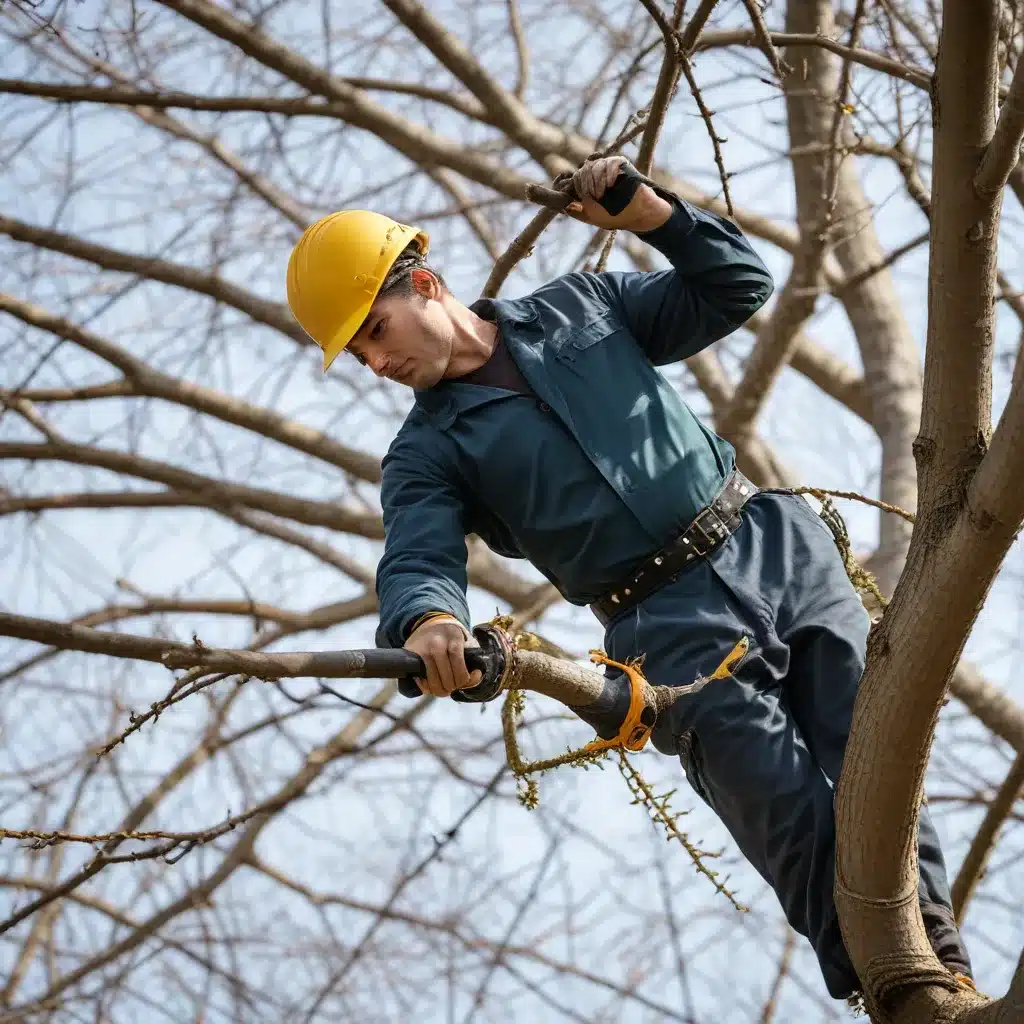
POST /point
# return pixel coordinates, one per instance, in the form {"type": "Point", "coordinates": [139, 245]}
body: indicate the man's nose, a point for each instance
{"type": "Point", "coordinates": [380, 364]}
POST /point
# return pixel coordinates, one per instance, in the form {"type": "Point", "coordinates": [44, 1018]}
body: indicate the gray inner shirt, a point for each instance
{"type": "Point", "coordinates": [500, 370]}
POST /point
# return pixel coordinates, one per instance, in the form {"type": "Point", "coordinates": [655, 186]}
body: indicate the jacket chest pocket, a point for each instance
{"type": "Point", "coordinates": [574, 343]}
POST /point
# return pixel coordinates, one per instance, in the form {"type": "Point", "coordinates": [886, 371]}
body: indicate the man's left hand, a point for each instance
{"type": "Point", "coordinates": [645, 212]}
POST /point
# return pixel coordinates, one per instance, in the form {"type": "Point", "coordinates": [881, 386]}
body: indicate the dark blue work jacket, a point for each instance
{"type": "Point", "coordinates": [603, 465]}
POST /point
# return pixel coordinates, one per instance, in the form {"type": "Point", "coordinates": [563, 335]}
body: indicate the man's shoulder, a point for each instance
{"type": "Point", "coordinates": [574, 299]}
{"type": "Point", "coordinates": [411, 432]}
{"type": "Point", "coordinates": [417, 441]}
{"type": "Point", "coordinates": [575, 285]}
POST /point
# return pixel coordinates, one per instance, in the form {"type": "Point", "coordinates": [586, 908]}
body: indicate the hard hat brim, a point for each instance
{"type": "Point", "coordinates": [346, 332]}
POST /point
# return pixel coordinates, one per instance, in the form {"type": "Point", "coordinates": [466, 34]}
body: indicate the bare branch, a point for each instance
{"type": "Point", "coordinates": [216, 492]}
{"type": "Point", "coordinates": [273, 314]}
{"type": "Point", "coordinates": [151, 382]}
{"type": "Point", "coordinates": [973, 867]}
{"type": "Point", "coordinates": [299, 106]}
{"type": "Point", "coordinates": [315, 763]}
{"type": "Point", "coordinates": [671, 65]}
{"type": "Point", "coordinates": [968, 515]}
{"type": "Point", "coordinates": [866, 58]}
{"type": "Point", "coordinates": [521, 247]}
{"type": "Point", "coordinates": [515, 24]}
{"type": "Point", "coordinates": [764, 42]}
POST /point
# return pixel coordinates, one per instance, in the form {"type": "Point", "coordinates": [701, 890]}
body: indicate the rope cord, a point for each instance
{"type": "Point", "coordinates": [862, 580]}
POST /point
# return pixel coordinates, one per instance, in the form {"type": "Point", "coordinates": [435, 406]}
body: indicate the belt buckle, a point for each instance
{"type": "Point", "coordinates": [718, 531]}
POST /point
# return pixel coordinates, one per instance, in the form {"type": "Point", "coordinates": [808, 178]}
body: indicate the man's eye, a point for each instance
{"type": "Point", "coordinates": [378, 328]}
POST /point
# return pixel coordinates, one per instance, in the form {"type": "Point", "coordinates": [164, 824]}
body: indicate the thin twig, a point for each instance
{"type": "Point", "coordinates": [515, 24]}
{"type": "Point", "coordinates": [715, 140]}
{"type": "Point", "coordinates": [868, 58]}
{"type": "Point", "coordinates": [785, 961]}
{"type": "Point", "coordinates": [157, 708]}
{"type": "Point", "coordinates": [521, 247]}
{"type": "Point", "coordinates": [666, 87]}
{"type": "Point", "coordinates": [606, 251]}
{"type": "Point", "coordinates": [778, 65]}
{"type": "Point", "coordinates": [691, 34]}
{"type": "Point", "coordinates": [42, 840]}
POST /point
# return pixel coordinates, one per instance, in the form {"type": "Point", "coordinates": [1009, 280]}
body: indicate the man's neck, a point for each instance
{"type": "Point", "coordinates": [474, 342]}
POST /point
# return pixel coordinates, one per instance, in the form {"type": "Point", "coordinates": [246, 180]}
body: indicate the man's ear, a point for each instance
{"type": "Point", "coordinates": [425, 284]}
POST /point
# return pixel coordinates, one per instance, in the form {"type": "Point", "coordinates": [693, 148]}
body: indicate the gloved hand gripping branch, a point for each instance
{"type": "Point", "coordinates": [620, 193]}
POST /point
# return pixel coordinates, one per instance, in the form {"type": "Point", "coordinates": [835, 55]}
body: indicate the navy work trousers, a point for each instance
{"type": "Point", "coordinates": [764, 747]}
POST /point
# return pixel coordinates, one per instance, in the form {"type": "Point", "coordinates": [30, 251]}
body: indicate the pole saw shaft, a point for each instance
{"type": "Point", "coordinates": [491, 657]}
{"type": "Point", "coordinates": [372, 663]}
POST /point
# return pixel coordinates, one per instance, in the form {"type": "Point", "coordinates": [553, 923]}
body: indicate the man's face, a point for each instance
{"type": "Point", "coordinates": [407, 338]}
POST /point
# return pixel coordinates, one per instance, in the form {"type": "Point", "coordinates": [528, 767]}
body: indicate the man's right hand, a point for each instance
{"type": "Point", "coordinates": [441, 643]}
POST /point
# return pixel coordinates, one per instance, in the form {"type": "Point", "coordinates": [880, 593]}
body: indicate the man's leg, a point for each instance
{"type": "Point", "coordinates": [822, 621]}
{"type": "Point", "coordinates": [744, 755]}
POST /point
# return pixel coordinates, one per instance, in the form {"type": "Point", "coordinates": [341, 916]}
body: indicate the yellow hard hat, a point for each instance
{"type": "Point", "coordinates": [336, 270]}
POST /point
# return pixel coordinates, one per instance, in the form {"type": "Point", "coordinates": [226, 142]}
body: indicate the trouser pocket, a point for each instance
{"type": "Point", "coordinates": [690, 759]}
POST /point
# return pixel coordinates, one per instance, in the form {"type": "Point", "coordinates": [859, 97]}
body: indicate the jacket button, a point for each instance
{"type": "Point", "coordinates": [544, 407]}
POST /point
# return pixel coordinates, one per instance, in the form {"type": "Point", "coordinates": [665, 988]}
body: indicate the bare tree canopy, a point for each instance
{"type": "Point", "coordinates": [251, 840]}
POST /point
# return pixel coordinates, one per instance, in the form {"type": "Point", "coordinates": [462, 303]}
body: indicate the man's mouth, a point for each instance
{"type": "Point", "coordinates": [397, 374]}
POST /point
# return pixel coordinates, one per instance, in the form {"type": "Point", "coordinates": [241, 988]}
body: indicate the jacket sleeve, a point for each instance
{"type": "Point", "coordinates": [717, 282]}
{"type": "Point", "coordinates": [423, 568]}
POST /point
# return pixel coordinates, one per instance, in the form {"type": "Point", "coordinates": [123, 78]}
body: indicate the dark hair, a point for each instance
{"type": "Point", "coordinates": [399, 278]}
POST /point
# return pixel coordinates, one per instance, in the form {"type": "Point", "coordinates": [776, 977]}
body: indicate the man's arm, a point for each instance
{"type": "Point", "coordinates": [421, 578]}
{"type": "Point", "coordinates": [717, 281]}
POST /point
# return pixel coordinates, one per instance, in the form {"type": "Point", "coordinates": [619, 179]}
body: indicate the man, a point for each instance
{"type": "Point", "coordinates": [543, 425]}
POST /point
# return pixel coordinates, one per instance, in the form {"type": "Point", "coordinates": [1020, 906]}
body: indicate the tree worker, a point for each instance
{"type": "Point", "coordinates": [543, 425]}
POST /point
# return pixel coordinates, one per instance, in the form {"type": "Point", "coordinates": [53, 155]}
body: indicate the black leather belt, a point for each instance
{"type": "Point", "coordinates": [712, 527]}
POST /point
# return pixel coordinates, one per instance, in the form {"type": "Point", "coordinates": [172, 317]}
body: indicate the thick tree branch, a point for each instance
{"type": "Point", "coordinates": [562, 680]}
{"type": "Point", "coordinates": [507, 112]}
{"type": "Point", "coordinates": [1002, 154]}
{"type": "Point", "coordinates": [962, 273]}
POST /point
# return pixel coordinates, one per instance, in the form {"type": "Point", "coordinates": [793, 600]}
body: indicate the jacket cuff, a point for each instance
{"type": "Point", "coordinates": [681, 221]}
{"type": "Point", "coordinates": [435, 615]}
